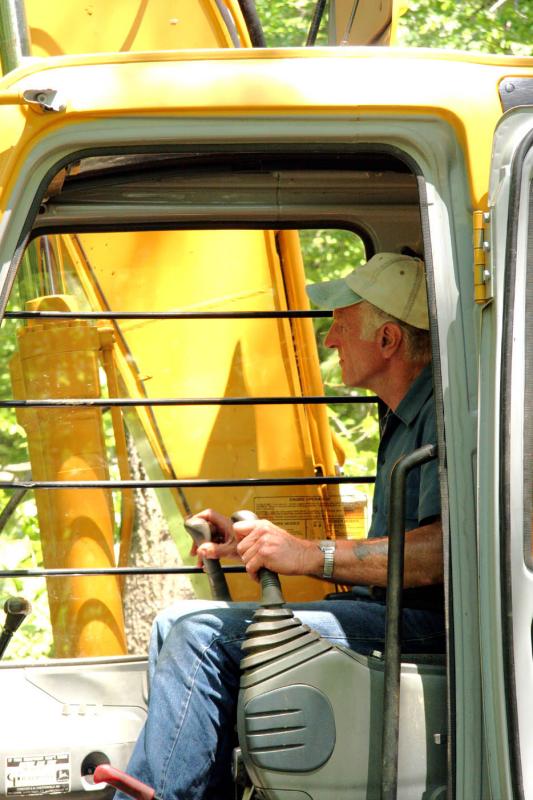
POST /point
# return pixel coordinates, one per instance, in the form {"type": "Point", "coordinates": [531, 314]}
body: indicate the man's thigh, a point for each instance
{"type": "Point", "coordinates": [355, 624]}
{"type": "Point", "coordinates": [360, 626]}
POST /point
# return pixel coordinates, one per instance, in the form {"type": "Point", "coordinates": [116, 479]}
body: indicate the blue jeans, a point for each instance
{"type": "Point", "coordinates": [184, 750]}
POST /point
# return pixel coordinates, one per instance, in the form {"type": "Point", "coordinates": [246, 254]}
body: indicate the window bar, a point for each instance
{"type": "Point", "coordinates": [186, 483]}
{"type": "Point", "coordinates": [187, 401]}
{"type": "Point", "coordinates": [162, 484]}
{"type": "Point", "coordinates": [97, 571]}
{"type": "Point", "coordinates": [165, 314]}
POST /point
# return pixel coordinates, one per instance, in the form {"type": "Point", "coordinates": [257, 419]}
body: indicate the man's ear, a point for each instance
{"type": "Point", "coordinates": [390, 339]}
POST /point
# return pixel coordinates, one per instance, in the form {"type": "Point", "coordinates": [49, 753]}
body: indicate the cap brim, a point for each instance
{"type": "Point", "coordinates": [332, 294]}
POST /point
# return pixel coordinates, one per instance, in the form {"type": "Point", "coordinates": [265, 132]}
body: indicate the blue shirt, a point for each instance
{"type": "Point", "coordinates": [404, 430]}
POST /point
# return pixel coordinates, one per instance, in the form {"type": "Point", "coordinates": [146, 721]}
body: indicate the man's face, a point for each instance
{"type": "Point", "coordinates": [360, 358]}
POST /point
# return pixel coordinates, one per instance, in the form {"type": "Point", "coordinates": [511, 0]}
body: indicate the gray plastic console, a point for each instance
{"type": "Point", "coordinates": [60, 718]}
{"type": "Point", "coordinates": [310, 717]}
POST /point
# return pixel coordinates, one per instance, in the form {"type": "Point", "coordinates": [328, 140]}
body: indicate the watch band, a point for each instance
{"type": "Point", "coordinates": [328, 548]}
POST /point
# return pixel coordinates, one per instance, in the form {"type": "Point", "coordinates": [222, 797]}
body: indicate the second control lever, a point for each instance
{"type": "Point", "coordinates": [271, 594]}
{"type": "Point", "coordinates": [201, 531]}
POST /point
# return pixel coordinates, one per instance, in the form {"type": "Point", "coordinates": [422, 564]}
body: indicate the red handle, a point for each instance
{"type": "Point", "coordinates": [105, 773]}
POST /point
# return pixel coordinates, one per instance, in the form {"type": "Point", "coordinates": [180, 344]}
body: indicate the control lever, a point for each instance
{"type": "Point", "coordinates": [16, 610]}
{"type": "Point", "coordinates": [201, 531]}
{"type": "Point", "coordinates": [271, 594]}
{"type": "Point", "coordinates": [105, 773]}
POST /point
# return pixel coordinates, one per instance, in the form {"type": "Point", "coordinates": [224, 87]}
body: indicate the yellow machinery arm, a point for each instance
{"type": "Point", "coordinates": [216, 270]}
{"type": "Point", "coordinates": [67, 444]}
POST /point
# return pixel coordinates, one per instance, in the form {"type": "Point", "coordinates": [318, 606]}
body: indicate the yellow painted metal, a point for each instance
{"type": "Point", "coordinates": [94, 27]}
{"type": "Point", "coordinates": [127, 510]}
{"type": "Point", "coordinates": [219, 271]}
{"type": "Point", "coordinates": [481, 261]}
{"type": "Point", "coordinates": [372, 24]}
{"type": "Point", "coordinates": [235, 83]}
{"type": "Point", "coordinates": [99, 26]}
{"type": "Point", "coordinates": [60, 359]}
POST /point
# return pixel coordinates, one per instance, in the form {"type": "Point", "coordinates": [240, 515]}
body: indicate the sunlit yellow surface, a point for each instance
{"type": "Point", "coordinates": [96, 26]}
{"type": "Point", "coordinates": [61, 360]}
{"type": "Point", "coordinates": [237, 270]}
{"type": "Point", "coordinates": [218, 271]}
{"type": "Point", "coordinates": [237, 83]}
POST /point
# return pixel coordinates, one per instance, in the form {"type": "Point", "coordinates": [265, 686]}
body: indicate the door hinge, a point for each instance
{"type": "Point", "coordinates": [44, 99]}
{"type": "Point", "coordinates": [482, 264]}
{"type": "Point", "coordinates": [38, 99]}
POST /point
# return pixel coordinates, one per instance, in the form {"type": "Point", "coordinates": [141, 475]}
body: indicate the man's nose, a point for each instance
{"type": "Point", "coordinates": [329, 339]}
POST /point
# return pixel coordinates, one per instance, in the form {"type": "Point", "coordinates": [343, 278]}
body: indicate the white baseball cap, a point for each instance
{"type": "Point", "coordinates": [392, 282]}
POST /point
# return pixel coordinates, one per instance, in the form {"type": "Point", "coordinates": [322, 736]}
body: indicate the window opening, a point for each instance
{"type": "Point", "coordinates": [135, 470]}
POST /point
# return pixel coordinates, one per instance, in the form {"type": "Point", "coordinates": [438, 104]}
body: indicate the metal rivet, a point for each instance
{"type": "Point", "coordinates": [509, 87]}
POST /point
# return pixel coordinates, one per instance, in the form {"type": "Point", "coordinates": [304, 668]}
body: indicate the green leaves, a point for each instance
{"type": "Point", "coordinates": [486, 26]}
{"type": "Point", "coordinates": [328, 255]}
{"type": "Point", "coordinates": [286, 22]}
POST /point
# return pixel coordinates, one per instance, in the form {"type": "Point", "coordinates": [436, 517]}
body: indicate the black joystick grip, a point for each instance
{"type": "Point", "coordinates": [201, 531]}
{"type": "Point", "coordinates": [16, 610]}
{"type": "Point", "coordinates": [271, 594]}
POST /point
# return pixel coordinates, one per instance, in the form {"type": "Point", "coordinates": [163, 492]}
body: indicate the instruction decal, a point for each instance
{"type": "Point", "coordinates": [41, 774]}
{"type": "Point", "coordinates": [308, 517]}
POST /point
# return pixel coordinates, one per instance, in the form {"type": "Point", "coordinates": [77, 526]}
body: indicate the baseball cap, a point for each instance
{"type": "Point", "coordinates": [392, 282]}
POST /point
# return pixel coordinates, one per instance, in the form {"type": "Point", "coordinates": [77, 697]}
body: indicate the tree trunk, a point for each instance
{"type": "Point", "coordinates": [152, 545]}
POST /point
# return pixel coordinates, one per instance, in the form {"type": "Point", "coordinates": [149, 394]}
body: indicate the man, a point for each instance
{"type": "Point", "coordinates": [380, 330]}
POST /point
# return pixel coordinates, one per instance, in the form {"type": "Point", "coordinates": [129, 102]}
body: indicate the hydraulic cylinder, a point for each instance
{"type": "Point", "coordinates": [60, 359]}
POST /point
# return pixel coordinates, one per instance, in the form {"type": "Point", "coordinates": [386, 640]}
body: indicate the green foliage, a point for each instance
{"type": "Point", "coordinates": [20, 548]}
{"type": "Point", "coordinates": [286, 23]}
{"type": "Point", "coordinates": [328, 255]}
{"type": "Point", "coordinates": [486, 27]}
{"type": "Point", "coordinates": [20, 542]}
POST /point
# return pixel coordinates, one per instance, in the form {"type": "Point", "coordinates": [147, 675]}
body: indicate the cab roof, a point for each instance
{"type": "Point", "coordinates": [462, 88]}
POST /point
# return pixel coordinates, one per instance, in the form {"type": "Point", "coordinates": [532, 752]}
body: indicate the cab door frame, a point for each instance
{"type": "Point", "coordinates": [504, 493]}
{"type": "Point", "coordinates": [432, 145]}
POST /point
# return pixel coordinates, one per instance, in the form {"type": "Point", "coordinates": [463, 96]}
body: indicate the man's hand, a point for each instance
{"type": "Point", "coordinates": [224, 544]}
{"type": "Point", "coordinates": [263, 544]}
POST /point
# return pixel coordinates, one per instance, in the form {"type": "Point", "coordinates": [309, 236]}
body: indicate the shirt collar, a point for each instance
{"type": "Point", "coordinates": [416, 396]}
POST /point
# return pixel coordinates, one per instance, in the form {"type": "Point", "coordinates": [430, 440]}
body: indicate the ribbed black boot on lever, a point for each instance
{"type": "Point", "coordinates": [275, 630]}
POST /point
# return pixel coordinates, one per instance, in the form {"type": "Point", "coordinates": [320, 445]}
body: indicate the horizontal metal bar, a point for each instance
{"type": "Point", "coordinates": [76, 402]}
{"type": "Point", "coordinates": [61, 573]}
{"type": "Point", "coordinates": [165, 314]}
{"type": "Point", "coordinates": [194, 483]}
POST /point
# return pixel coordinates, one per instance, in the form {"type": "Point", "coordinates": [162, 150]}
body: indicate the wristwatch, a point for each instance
{"type": "Point", "coordinates": [328, 548]}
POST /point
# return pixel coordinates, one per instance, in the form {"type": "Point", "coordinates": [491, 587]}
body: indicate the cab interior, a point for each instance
{"type": "Point", "coordinates": [160, 349]}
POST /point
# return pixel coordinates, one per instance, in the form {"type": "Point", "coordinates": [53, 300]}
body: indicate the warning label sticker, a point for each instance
{"type": "Point", "coordinates": [40, 774]}
{"type": "Point", "coordinates": [306, 516]}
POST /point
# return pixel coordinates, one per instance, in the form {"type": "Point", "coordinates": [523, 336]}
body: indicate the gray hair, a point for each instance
{"type": "Point", "coordinates": [417, 340]}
